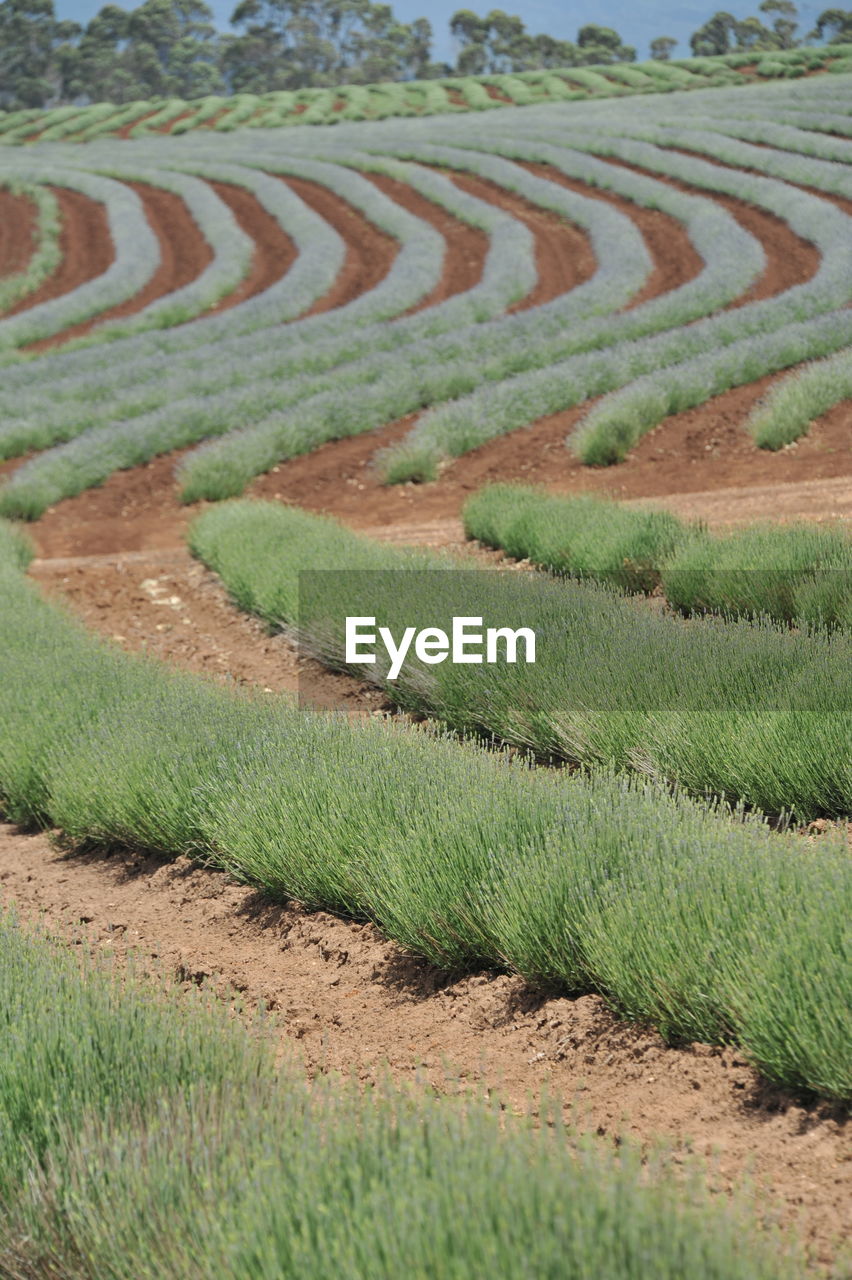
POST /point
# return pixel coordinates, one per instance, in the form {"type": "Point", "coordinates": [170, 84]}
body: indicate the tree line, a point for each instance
{"type": "Point", "coordinates": [171, 48]}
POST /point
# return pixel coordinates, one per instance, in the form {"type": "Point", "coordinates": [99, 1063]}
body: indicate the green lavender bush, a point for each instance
{"type": "Point", "coordinates": [677, 910]}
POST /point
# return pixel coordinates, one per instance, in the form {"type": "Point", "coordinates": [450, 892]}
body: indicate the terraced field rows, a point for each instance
{"type": "Point", "coordinates": [316, 314]}
{"type": "Point", "coordinates": [411, 98]}
{"type": "Point", "coordinates": [295, 340]}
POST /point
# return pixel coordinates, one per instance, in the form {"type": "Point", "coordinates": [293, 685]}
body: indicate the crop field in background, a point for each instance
{"type": "Point", "coordinates": [255, 379]}
{"type": "Point", "coordinates": [240, 394]}
{"type": "Point", "coordinates": [414, 97]}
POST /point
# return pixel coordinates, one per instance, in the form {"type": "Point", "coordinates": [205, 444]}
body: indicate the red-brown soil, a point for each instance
{"type": "Point", "coordinates": [352, 1000]}
{"type": "Point", "coordinates": [39, 133]}
{"type": "Point", "coordinates": [701, 462]}
{"type": "Point", "coordinates": [85, 245]}
{"type": "Point", "coordinates": [466, 247]}
{"type": "Point", "coordinates": [134, 510]}
{"type": "Point", "coordinates": [790, 259]}
{"type": "Point", "coordinates": [166, 604]}
{"type": "Point", "coordinates": [842, 202]}
{"type": "Point", "coordinates": [170, 124]}
{"type": "Point", "coordinates": [369, 252]}
{"type": "Point", "coordinates": [675, 258]}
{"type": "Point", "coordinates": [563, 255]}
{"type": "Point", "coordinates": [274, 252]}
{"type": "Point", "coordinates": [212, 121]}
{"type": "Point", "coordinates": [17, 233]}
{"type": "Point", "coordinates": [704, 449]}
{"type": "Point", "coordinates": [357, 1004]}
{"type": "Point", "coordinates": [497, 94]}
{"type": "Point", "coordinates": [184, 253]}
{"type": "Point", "coordinates": [126, 129]}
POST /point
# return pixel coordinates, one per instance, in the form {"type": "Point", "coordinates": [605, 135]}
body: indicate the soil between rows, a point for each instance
{"type": "Point", "coordinates": [85, 245]}
{"type": "Point", "coordinates": [357, 1004]}
{"type": "Point", "coordinates": [369, 252]}
{"type": "Point", "coordinates": [466, 246]}
{"type": "Point", "coordinates": [273, 254]}
{"type": "Point", "coordinates": [563, 255]}
{"type": "Point", "coordinates": [125, 130]}
{"type": "Point", "coordinates": [790, 259]}
{"type": "Point", "coordinates": [352, 1000]}
{"type": "Point", "coordinates": [165, 604]}
{"type": "Point", "coordinates": [688, 457]}
{"type": "Point", "coordinates": [675, 259]}
{"type": "Point", "coordinates": [17, 233]}
{"type": "Point", "coordinates": [184, 254]}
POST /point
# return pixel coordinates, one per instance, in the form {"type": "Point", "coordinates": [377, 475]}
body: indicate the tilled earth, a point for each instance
{"type": "Point", "coordinates": [350, 1000]}
{"type": "Point", "coordinates": [357, 1004]}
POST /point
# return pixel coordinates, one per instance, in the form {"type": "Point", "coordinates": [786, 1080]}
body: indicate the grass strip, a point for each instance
{"type": "Point", "coordinates": [145, 1135]}
{"type": "Point", "coordinates": [321, 106]}
{"type": "Point", "coordinates": [749, 711]}
{"type": "Point", "coordinates": [707, 923]}
{"type": "Point", "coordinates": [46, 254]}
{"type": "Point", "coordinates": [581, 537]}
{"type": "Point", "coordinates": [799, 573]}
{"type": "Point", "coordinates": [794, 573]}
{"type": "Point", "coordinates": [788, 411]}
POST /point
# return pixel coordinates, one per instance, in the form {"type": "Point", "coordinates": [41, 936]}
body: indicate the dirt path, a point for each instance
{"type": "Point", "coordinates": [369, 252]}
{"type": "Point", "coordinates": [563, 254]}
{"type": "Point", "coordinates": [17, 232]}
{"type": "Point", "coordinates": [85, 246]}
{"type": "Point", "coordinates": [675, 258]}
{"type": "Point", "coordinates": [184, 253]}
{"type": "Point", "coordinates": [274, 252]}
{"type": "Point", "coordinates": [357, 1004]}
{"type": "Point", "coordinates": [790, 259]}
{"type": "Point", "coordinates": [466, 246]}
{"type": "Point", "coordinates": [167, 605]}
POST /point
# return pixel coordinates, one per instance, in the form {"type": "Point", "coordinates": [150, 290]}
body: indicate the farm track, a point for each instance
{"type": "Point", "coordinates": [85, 247]}
{"type": "Point", "coordinates": [165, 604]}
{"type": "Point", "coordinates": [17, 233]}
{"type": "Point", "coordinates": [674, 256]}
{"type": "Point", "coordinates": [369, 252]}
{"type": "Point", "coordinates": [358, 1005]}
{"type": "Point", "coordinates": [563, 255]}
{"type": "Point", "coordinates": [790, 259]}
{"type": "Point", "coordinates": [184, 253]}
{"type": "Point", "coordinates": [274, 252]}
{"type": "Point", "coordinates": [466, 247]}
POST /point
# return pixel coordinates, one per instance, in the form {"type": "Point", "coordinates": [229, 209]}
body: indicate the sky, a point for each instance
{"type": "Point", "coordinates": [637, 23]}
